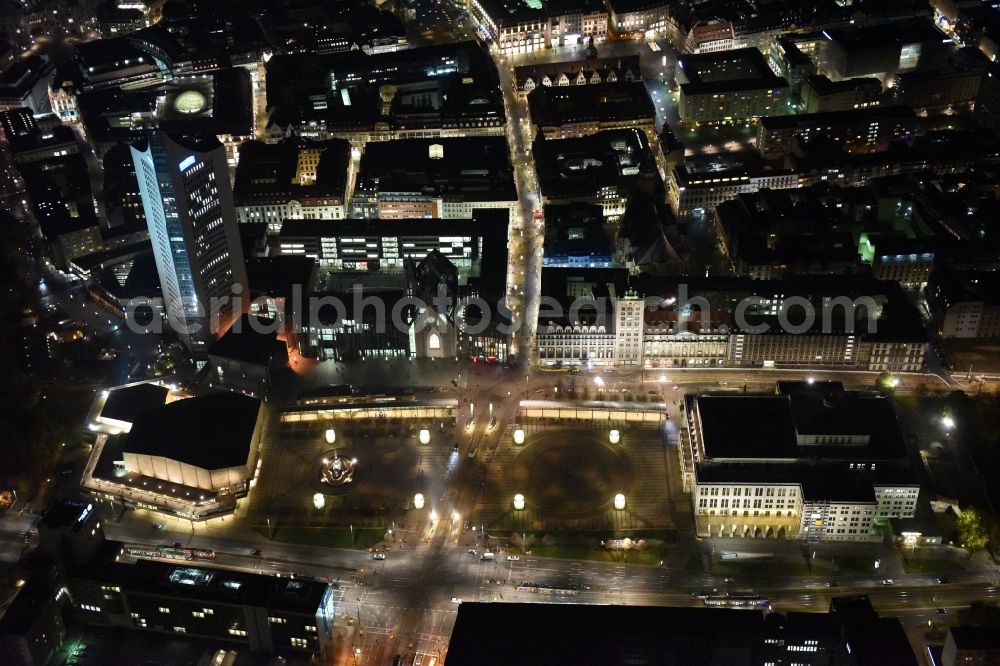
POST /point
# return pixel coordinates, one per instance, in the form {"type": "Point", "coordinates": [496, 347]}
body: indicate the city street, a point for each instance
{"type": "Point", "coordinates": [407, 599]}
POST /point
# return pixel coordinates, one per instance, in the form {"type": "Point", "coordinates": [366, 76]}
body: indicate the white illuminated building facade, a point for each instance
{"type": "Point", "coordinates": [815, 463]}
{"type": "Point", "coordinates": [188, 202]}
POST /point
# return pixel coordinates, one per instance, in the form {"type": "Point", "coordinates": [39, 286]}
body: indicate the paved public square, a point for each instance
{"type": "Point", "coordinates": [569, 473]}
{"type": "Point", "coordinates": [391, 466]}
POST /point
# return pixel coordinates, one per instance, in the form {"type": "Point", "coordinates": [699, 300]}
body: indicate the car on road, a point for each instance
{"type": "Point", "coordinates": [456, 600]}
{"type": "Point", "coordinates": [888, 581]}
{"type": "Point", "coordinates": [159, 526]}
{"type": "Point", "coordinates": [513, 558]}
{"type": "Point", "coordinates": [942, 580]}
{"type": "Point", "coordinates": [942, 611]}
{"type": "Point", "coordinates": [378, 556]}
{"type": "Point", "coordinates": [472, 551]}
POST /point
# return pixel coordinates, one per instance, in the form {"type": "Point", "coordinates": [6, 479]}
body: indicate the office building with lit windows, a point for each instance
{"type": "Point", "coordinates": [606, 318]}
{"type": "Point", "coordinates": [382, 246]}
{"type": "Point", "coordinates": [812, 462]}
{"type": "Point", "coordinates": [188, 203]}
{"type": "Point", "coordinates": [820, 94]}
{"type": "Point", "coordinates": [857, 130]}
{"type": "Point", "coordinates": [729, 85]}
{"type": "Point", "coordinates": [255, 612]}
{"type": "Point", "coordinates": [695, 188]}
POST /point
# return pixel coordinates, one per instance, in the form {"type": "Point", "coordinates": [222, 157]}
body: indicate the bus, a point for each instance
{"type": "Point", "coordinates": [169, 552]}
{"type": "Point", "coordinates": [158, 552]}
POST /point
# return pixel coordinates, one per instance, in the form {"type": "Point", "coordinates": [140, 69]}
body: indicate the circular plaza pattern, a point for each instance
{"type": "Point", "coordinates": [571, 472]}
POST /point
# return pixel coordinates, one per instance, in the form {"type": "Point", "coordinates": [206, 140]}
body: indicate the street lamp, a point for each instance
{"type": "Point", "coordinates": [331, 436]}
{"type": "Point", "coordinates": [619, 502]}
{"type": "Point", "coordinates": [519, 502]}
{"type": "Point", "coordinates": [519, 437]}
{"type": "Point", "coordinates": [615, 436]}
{"type": "Point", "coordinates": [418, 501]}
{"type": "Point", "coordinates": [319, 500]}
{"type": "Point", "coordinates": [434, 515]}
{"type": "Point", "coordinates": [948, 422]}
{"type": "Point", "coordinates": [599, 381]}
{"type": "Point", "coordinates": [425, 436]}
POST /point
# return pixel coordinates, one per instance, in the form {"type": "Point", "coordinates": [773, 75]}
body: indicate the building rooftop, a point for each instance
{"type": "Point", "coordinates": [204, 583]}
{"type": "Point", "coordinates": [488, 634]}
{"type": "Point", "coordinates": [769, 426]}
{"type": "Point", "coordinates": [572, 68]}
{"type": "Point", "coordinates": [342, 89]}
{"type": "Point", "coordinates": [555, 106]}
{"type": "Point", "coordinates": [273, 171]}
{"type": "Point", "coordinates": [847, 117]}
{"type": "Point", "coordinates": [583, 166]}
{"type": "Point", "coordinates": [565, 284]}
{"type": "Point", "coordinates": [824, 86]}
{"type": "Point", "coordinates": [131, 278]}
{"type": "Point", "coordinates": [211, 40]}
{"type": "Point", "coordinates": [128, 403]}
{"type": "Point", "coordinates": [64, 513]}
{"type": "Point", "coordinates": [476, 168]}
{"type": "Point", "coordinates": [251, 339]}
{"type": "Point", "coordinates": [723, 71]}
{"type": "Point", "coordinates": [280, 275]}
{"type": "Point", "coordinates": [210, 431]}
{"type": "Point", "coordinates": [20, 77]}
{"type": "Point", "coordinates": [22, 611]}
{"type": "Point", "coordinates": [975, 638]}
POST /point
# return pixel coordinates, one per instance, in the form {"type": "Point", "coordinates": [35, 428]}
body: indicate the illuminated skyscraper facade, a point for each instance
{"type": "Point", "coordinates": [189, 209]}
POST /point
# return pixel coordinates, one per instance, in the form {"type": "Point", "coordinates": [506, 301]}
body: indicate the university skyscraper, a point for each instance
{"type": "Point", "coordinates": [188, 202]}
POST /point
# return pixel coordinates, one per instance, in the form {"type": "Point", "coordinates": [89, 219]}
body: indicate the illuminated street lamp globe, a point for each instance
{"type": "Point", "coordinates": [519, 502]}
{"type": "Point", "coordinates": [319, 500]}
{"type": "Point", "coordinates": [947, 422]}
{"type": "Point", "coordinates": [619, 501]}
{"type": "Point", "coordinates": [519, 437]}
{"type": "Point", "coordinates": [331, 436]}
{"type": "Point", "coordinates": [337, 470]}
{"type": "Point", "coordinates": [418, 501]}
{"type": "Point", "coordinates": [425, 436]}
{"type": "Point", "coordinates": [614, 437]}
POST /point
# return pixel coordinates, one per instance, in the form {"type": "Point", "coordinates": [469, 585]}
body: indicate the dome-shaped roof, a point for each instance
{"type": "Point", "coordinates": [190, 101]}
